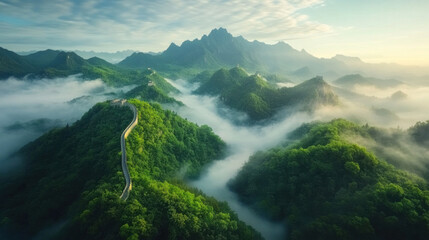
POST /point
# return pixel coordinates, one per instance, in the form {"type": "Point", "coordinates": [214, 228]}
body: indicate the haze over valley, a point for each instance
{"type": "Point", "coordinates": [220, 129]}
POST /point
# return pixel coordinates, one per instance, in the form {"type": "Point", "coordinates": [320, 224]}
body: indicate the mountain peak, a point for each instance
{"type": "Point", "coordinates": [67, 60]}
{"type": "Point", "coordinates": [172, 47]}
{"type": "Point", "coordinates": [316, 80]}
{"type": "Point", "coordinates": [314, 83]}
{"type": "Point", "coordinates": [220, 33]}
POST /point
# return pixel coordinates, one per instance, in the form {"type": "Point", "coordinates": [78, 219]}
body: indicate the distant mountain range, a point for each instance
{"type": "Point", "coordinates": [353, 80]}
{"type": "Point", "coordinates": [54, 63]}
{"type": "Point", "coordinates": [112, 57]}
{"type": "Point", "coordinates": [221, 49]}
{"type": "Point", "coordinates": [48, 63]}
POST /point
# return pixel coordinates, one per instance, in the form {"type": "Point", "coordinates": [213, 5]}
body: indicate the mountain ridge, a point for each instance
{"type": "Point", "coordinates": [53, 63]}
{"type": "Point", "coordinates": [353, 80]}
{"type": "Point", "coordinates": [219, 49]}
{"type": "Point", "coordinates": [74, 173]}
{"type": "Point", "coordinates": [255, 96]}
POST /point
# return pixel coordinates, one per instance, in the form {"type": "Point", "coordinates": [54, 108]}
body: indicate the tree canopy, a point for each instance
{"type": "Point", "coordinates": [73, 175]}
{"type": "Point", "coordinates": [329, 188]}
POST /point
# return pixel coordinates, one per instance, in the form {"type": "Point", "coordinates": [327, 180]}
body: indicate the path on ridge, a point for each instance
{"type": "Point", "coordinates": [125, 133]}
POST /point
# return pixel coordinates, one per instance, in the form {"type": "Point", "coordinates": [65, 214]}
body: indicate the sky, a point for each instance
{"type": "Point", "coordinates": [374, 30]}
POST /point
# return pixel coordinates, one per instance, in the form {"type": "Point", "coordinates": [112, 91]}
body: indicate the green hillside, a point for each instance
{"type": "Point", "coordinates": [52, 64]}
{"type": "Point", "coordinates": [255, 96]}
{"type": "Point", "coordinates": [73, 176]}
{"type": "Point", "coordinates": [11, 64]}
{"type": "Point", "coordinates": [420, 133]}
{"type": "Point", "coordinates": [330, 188]}
{"type": "Point", "coordinates": [42, 59]}
{"type": "Point", "coordinates": [151, 93]}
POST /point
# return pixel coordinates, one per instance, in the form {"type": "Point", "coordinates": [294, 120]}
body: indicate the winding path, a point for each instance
{"type": "Point", "coordinates": [128, 183]}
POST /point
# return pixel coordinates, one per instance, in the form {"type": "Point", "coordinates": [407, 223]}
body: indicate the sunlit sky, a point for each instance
{"type": "Point", "coordinates": [374, 30]}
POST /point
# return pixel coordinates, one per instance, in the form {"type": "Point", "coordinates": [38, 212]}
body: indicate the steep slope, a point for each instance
{"type": "Point", "coordinates": [253, 95]}
{"type": "Point", "coordinates": [310, 94]}
{"type": "Point", "coordinates": [223, 80]}
{"type": "Point", "coordinates": [73, 176]}
{"type": "Point", "coordinates": [64, 64]}
{"type": "Point", "coordinates": [13, 64]}
{"type": "Point", "coordinates": [151, 93]}
{"type": "Point", "coordinates": [42, 59]}
{"type": "Point", "coordinates": [330, 188]}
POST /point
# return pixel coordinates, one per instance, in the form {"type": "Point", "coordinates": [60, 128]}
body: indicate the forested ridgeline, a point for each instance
{"type": "Point", "coordinates": [259, 98]}
{"type": "Point", "coordinates": [330, 188]}
{"type": "Point", "coordinates": [73, 176]}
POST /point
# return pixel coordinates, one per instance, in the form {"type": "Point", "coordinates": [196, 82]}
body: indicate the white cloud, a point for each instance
{"type": "Point", "coordinates": [60, 100]}
{"type": "Point", "coordinates": [148, 25]}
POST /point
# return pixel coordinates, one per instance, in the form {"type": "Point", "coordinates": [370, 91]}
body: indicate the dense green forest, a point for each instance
{"type": "Point", "coordinates": [259, 99]}
{"type": "Point", "coordinates": [420, 132]}
{"type": "Point", "coordinates": [151, 93]}
{"type": "Point", "coordinates": [73, 176]}
{"type": "Point", "coordinates": [328, 187]}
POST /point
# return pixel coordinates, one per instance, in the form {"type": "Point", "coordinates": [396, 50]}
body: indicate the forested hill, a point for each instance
{"type": "Point", "coordinates": [253, 95]}
{"type": "Point", "coordinates": [330, 188]}
{"type": "Point", "coordinates": [52, 64]}
{"type": "Point", "coordinates": [151, 93]}
{"type": "Point", "coordinates": [73, 177]}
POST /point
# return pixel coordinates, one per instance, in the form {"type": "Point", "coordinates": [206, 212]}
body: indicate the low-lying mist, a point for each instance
{"type": "Point", "coordinates": [394, 110]}
{"type": "Point", "coordinates": [243, 141]}
{"type": "Point", "coordinates": [397, 147]}
{"type": "Point", "coordinates": [401, 106]}
{"type": "Point", "coordinates": [377, 107]}
{"type": "Point", "coordinates": [31, 107]}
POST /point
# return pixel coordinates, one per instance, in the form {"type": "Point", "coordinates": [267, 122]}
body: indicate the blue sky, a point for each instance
{"type": "Point", "coordinates": [376, 31]}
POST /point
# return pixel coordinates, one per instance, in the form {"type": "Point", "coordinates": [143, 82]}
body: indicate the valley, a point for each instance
{"type": "Point", "coordinates": [217, 138]}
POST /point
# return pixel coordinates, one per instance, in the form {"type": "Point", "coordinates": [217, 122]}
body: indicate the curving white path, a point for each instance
{"type": "Point", "coordinates": [125, 133]}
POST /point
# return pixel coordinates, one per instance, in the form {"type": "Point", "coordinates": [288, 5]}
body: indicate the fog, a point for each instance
{"type": "Point", "coordinates": [359, 106]}
{"type": "Point", "coordinates": [242, 141]}
{"type": "Point", "coordinates": [369, 105]}
{"type": "Point", "coordinates": [395, 117]}
{"type": "Point", "coordinates": [398, 149]}
{"type": "Point", "coordinates": [31, 107]}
